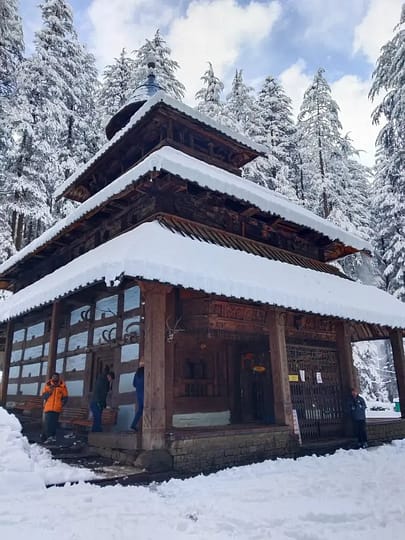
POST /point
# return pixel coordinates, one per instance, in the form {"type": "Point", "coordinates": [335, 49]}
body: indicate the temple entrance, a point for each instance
{"type": "Point", "coordinates": [254, 393]}
{"type": "Point", "coordinates": [316, 391]}
{"type": "Point", "coordinates": [100, 359]}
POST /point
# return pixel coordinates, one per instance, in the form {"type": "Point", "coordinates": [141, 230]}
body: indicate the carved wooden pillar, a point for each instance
{"type": "Point", "coordinates": [397, 345]}
{"type": "Point", "coordinates": [279, 368]}
{"type": "Point", "coordinates": [154, 414]}
{"type": "Point", "coordinates": [53, 338]}
{"type": "Point", "coordinates": [6, 367]}
{"type": "Point", "coordinates": [344, 344]}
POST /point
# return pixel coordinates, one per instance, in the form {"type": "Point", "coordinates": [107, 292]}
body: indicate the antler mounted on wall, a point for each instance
{"type": "Point", "coordinates": [173, 330]}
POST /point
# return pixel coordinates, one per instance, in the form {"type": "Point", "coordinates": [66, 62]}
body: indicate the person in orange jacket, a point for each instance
{"type": "Point", "coordinates": [55, 395]}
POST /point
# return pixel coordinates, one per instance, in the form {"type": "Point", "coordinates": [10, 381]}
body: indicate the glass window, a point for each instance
{"type": "Point", "coordinates": [46, 348]}
{"type": "Point", "coordinates": [30, 389]}
{"type": "Point", "coordinates": [131, 327]}
{"type": "Point", "coordinates": [78, 341]}
{"type": "Point", "coordinates": [132, 298]}
{"type": "Point", "coordinates": [12, 389]}
{"type": "Point", "coordinates": [60, 348]}
{"type": "Point", "coordinates": [19, 335]}
{"type": "Point", "coordinates": [59, 365]}
{"type": "Point", "coordinates": [35, 331]}
{"type": "Point", "coordinates": [16, 355]}
{"type": "Point", "coordinates": [31, 370]}
{"type": "Point", "coordinates": [106, 307]}
{"type": "Point", "coordinates": [14, 372]}
{"type": "Point", "coordinates": [75, 388]}
{"type": "Point", "coordinates": [80, 314]}
{"type": "Point", "coordinates": [44, 369]}
{"type": "Point", "coordinates": [129, 352]}
{"type": "Point", "coordinates": [33, 352]}
{"type": "Point", "coordinates": [76, 363]}
{"type": "Point", "coordinates": [126, 383]}
{"type": "Point", "coordinates": [104, 334]}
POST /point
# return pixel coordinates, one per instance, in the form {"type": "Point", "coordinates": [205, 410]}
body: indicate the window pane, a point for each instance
{"type": "Point", "coordinates": [106, 307]}
{"type": "Point", "coordinates": [75, 388]}
{"type": "Point", "coordinates": [131, 328]}
{"type": "Point", "coordinates": [126, 383]}
{"type": "Point", "coordinates": [16, 355]}
{"type": "Point", "coordinates": [78, 341]}
{"type": "Point", "coordinates": [79, 315]}
{"type": "Point", "coordinates": [44, 368]}
{"type": "Point", "coordinates": [61, 345]}
{"type": "Point", "coordinates": [30, 389]}
{"type": "Point", "coordinates": [59, 365]}
{"type": "Point", "coordinates": [46, 348]}
{"type": "Point", "coordinates": [104, 334]}
{"type": "Point", "coordinates": [132, 298]}
{"type": "Point", "coordinates": [31, 370]}
{"type": "Point", "coordinates": [12, 389]}
{"type": "Point", "coordinates": [129, 352]}
{"type": "Point", "coordinates": [76, 363]}
{"type": "Point", "coordinates": [14, 372]}
{"type": "Point", "coordinates": [19, 335]}
{"type": "Point", "coordinates": [33, 352]}
{"type": "Point", "coordinates": [35, 331]}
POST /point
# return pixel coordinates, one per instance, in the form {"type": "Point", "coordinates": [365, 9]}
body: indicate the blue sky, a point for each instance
{"type": "Point", "coordinates": [289, 39]}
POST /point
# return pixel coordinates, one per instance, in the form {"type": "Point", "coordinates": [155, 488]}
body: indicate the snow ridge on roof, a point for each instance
{"type": "Point", "coordinates": [209, 176]}
{"type": "Point", "coordinates": [181, 261]}
{"type": "Point", "coordinates": [161, 97]}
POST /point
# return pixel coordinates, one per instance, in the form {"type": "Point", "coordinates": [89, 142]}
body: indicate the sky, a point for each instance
{"type": "Point", "coordinates": [289, 39]}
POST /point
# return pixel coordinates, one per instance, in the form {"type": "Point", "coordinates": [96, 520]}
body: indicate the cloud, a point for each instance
{"type": "Point", "coordinates": [218, 31]}
{"type": "Point", "coordinates": [351, 94]}
{"type": "Point", "coordinates": [376, 28]}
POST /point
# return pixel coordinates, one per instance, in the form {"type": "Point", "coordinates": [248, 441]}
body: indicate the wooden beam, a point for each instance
{"type": "Point", "coordinates": [283, 411]}
{"type": "Point", "coordinates": [53, 338]}
{"type": "Point", "coordinates": [345, 352]}
{"type": "Point", "coordinates": [397, 345]}
{"type": "Point", "coordinates": [154, 416]}
{"type": "Point", "coordinates": [6, 367]}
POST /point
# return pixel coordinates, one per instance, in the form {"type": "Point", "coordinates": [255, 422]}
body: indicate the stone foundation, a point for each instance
{"type": "Point", "coordinates": [383, 431]}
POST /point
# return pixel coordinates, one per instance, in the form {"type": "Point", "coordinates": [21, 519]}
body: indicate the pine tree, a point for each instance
{"type": "Point", "coordinates": [240, 107]}
{"type": "Point", "coordinates": [116, 87]}
{"type": "Point", "coordinates": [165, 67]}
{"type": "Point", "coordinates": [276, 130]}
{"type": "Point", "coordinates": [389, 185]}
{"type": "Point", "coordinates": [209, 97]}
{"type": "Point", "coordinates": [11, 56]}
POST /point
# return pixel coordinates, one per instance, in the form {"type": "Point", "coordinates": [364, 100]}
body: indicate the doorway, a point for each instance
{"type": "Point", "coordinates": [100, 360]}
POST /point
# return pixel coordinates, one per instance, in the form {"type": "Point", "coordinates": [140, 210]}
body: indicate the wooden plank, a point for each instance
{"type": "Point", "coordinates": [397, 345]}
{"type": "Point", "coordinates": [344, 345]}
{"type": "Point", "coordinates": [6, 367]}
{"type": "Point", "coordinates": [154, 416]}
{"type": "Point", "coordinates": [53, 338]}
{"type": "Point", "coordinates": [283, 414]}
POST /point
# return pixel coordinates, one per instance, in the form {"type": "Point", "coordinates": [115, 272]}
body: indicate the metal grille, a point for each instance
{"type": "Point", "coordinates": [318, 400]}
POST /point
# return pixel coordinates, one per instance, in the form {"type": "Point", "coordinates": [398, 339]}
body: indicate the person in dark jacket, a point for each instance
{"type": "Point", "coordinates": [357, 408]}
{"type": "Point", "coordinates": [99, 399]}
{"type": "Point", "coordinates": [138, 384]}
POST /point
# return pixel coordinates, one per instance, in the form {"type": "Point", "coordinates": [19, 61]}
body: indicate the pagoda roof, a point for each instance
{"type": "Point", "coordinates": [207, 176]}
{"type": "Point", "coordinates": [158, 98]}
{"type": "Point", "coordinates": [171, 258]}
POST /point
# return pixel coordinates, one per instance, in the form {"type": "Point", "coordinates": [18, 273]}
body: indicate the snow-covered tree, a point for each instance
{"type": "Point", "coordinates": [275, 129]}
{"type": "Point", "coordinates": [209, 97]}
{"type": "Point", "coordinates": [240, 107]}
{"type": "Point", "coordinates": [165, 67]}
{"type": "Point", "coordinates": [368, 359]}
{"type": "Point", "coordinates": [116, 87]}
{"type": "Point", "coordinates": [389, 185]}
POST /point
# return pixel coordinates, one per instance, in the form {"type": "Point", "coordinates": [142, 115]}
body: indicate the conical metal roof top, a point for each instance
{"type": "Point", "coordinates": [141, 94]}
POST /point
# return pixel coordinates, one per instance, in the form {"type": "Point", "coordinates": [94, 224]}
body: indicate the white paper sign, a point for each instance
{"type": "Point", "coordinates": [319, 377]}
{"type": "Point", "coordinates": [296, 426]}
{"type": "Point", "coordinates": [302, 375]}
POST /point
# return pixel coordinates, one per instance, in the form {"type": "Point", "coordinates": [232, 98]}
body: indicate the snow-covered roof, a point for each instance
{"type": "Point", "coordinates": [159, 97]}
{"type": "Point", "coordinates": [209, 176]}
{"type": "Point", "coordinates": [182, 261]}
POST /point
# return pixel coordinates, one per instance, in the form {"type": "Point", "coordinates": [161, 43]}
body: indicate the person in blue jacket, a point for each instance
{"type": "Point", "coordinates": [138, 384]}
{"type": "Point", "coordinates": [357, 408]}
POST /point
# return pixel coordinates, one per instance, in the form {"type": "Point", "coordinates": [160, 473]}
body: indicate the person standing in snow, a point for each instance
{"type": "Point", "coordinates": [55, 396]}
{"type": "Point", "coordinates": [357, 408]}
{"type": "Point", "coordinates": [99, 398]}
{"type": "Point", "coordinates": [138, 384]}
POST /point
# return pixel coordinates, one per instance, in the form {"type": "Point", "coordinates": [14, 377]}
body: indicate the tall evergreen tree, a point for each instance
{"type": "Point", "coordinates": [240, 107]}
{"type": "Point", "coordinates": [11, 56]}
{"type": "Point", "coordinates": [389, 185]}
{"type": "Point", "coordinates": [209, 97]}
{"type": "Point", "coordinates": [116, 87]}
{"type": "Point", "coordinates": [275, 129]}
{"type": "Point", "coordinates": [165, 67]}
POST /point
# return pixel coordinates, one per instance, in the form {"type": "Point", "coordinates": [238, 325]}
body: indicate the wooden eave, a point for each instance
{"type": "Point", "coordinates": [241, 154]}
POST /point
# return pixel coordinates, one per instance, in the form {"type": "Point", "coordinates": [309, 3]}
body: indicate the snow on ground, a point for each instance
{"type": "Point", "coordinates": [28, 467]}
{"type": "Point", "coordinates": [352, 495]}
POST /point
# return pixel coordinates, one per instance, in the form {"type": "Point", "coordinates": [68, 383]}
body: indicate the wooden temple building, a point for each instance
{"type": "Point", "coordinates": [225, 288]}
